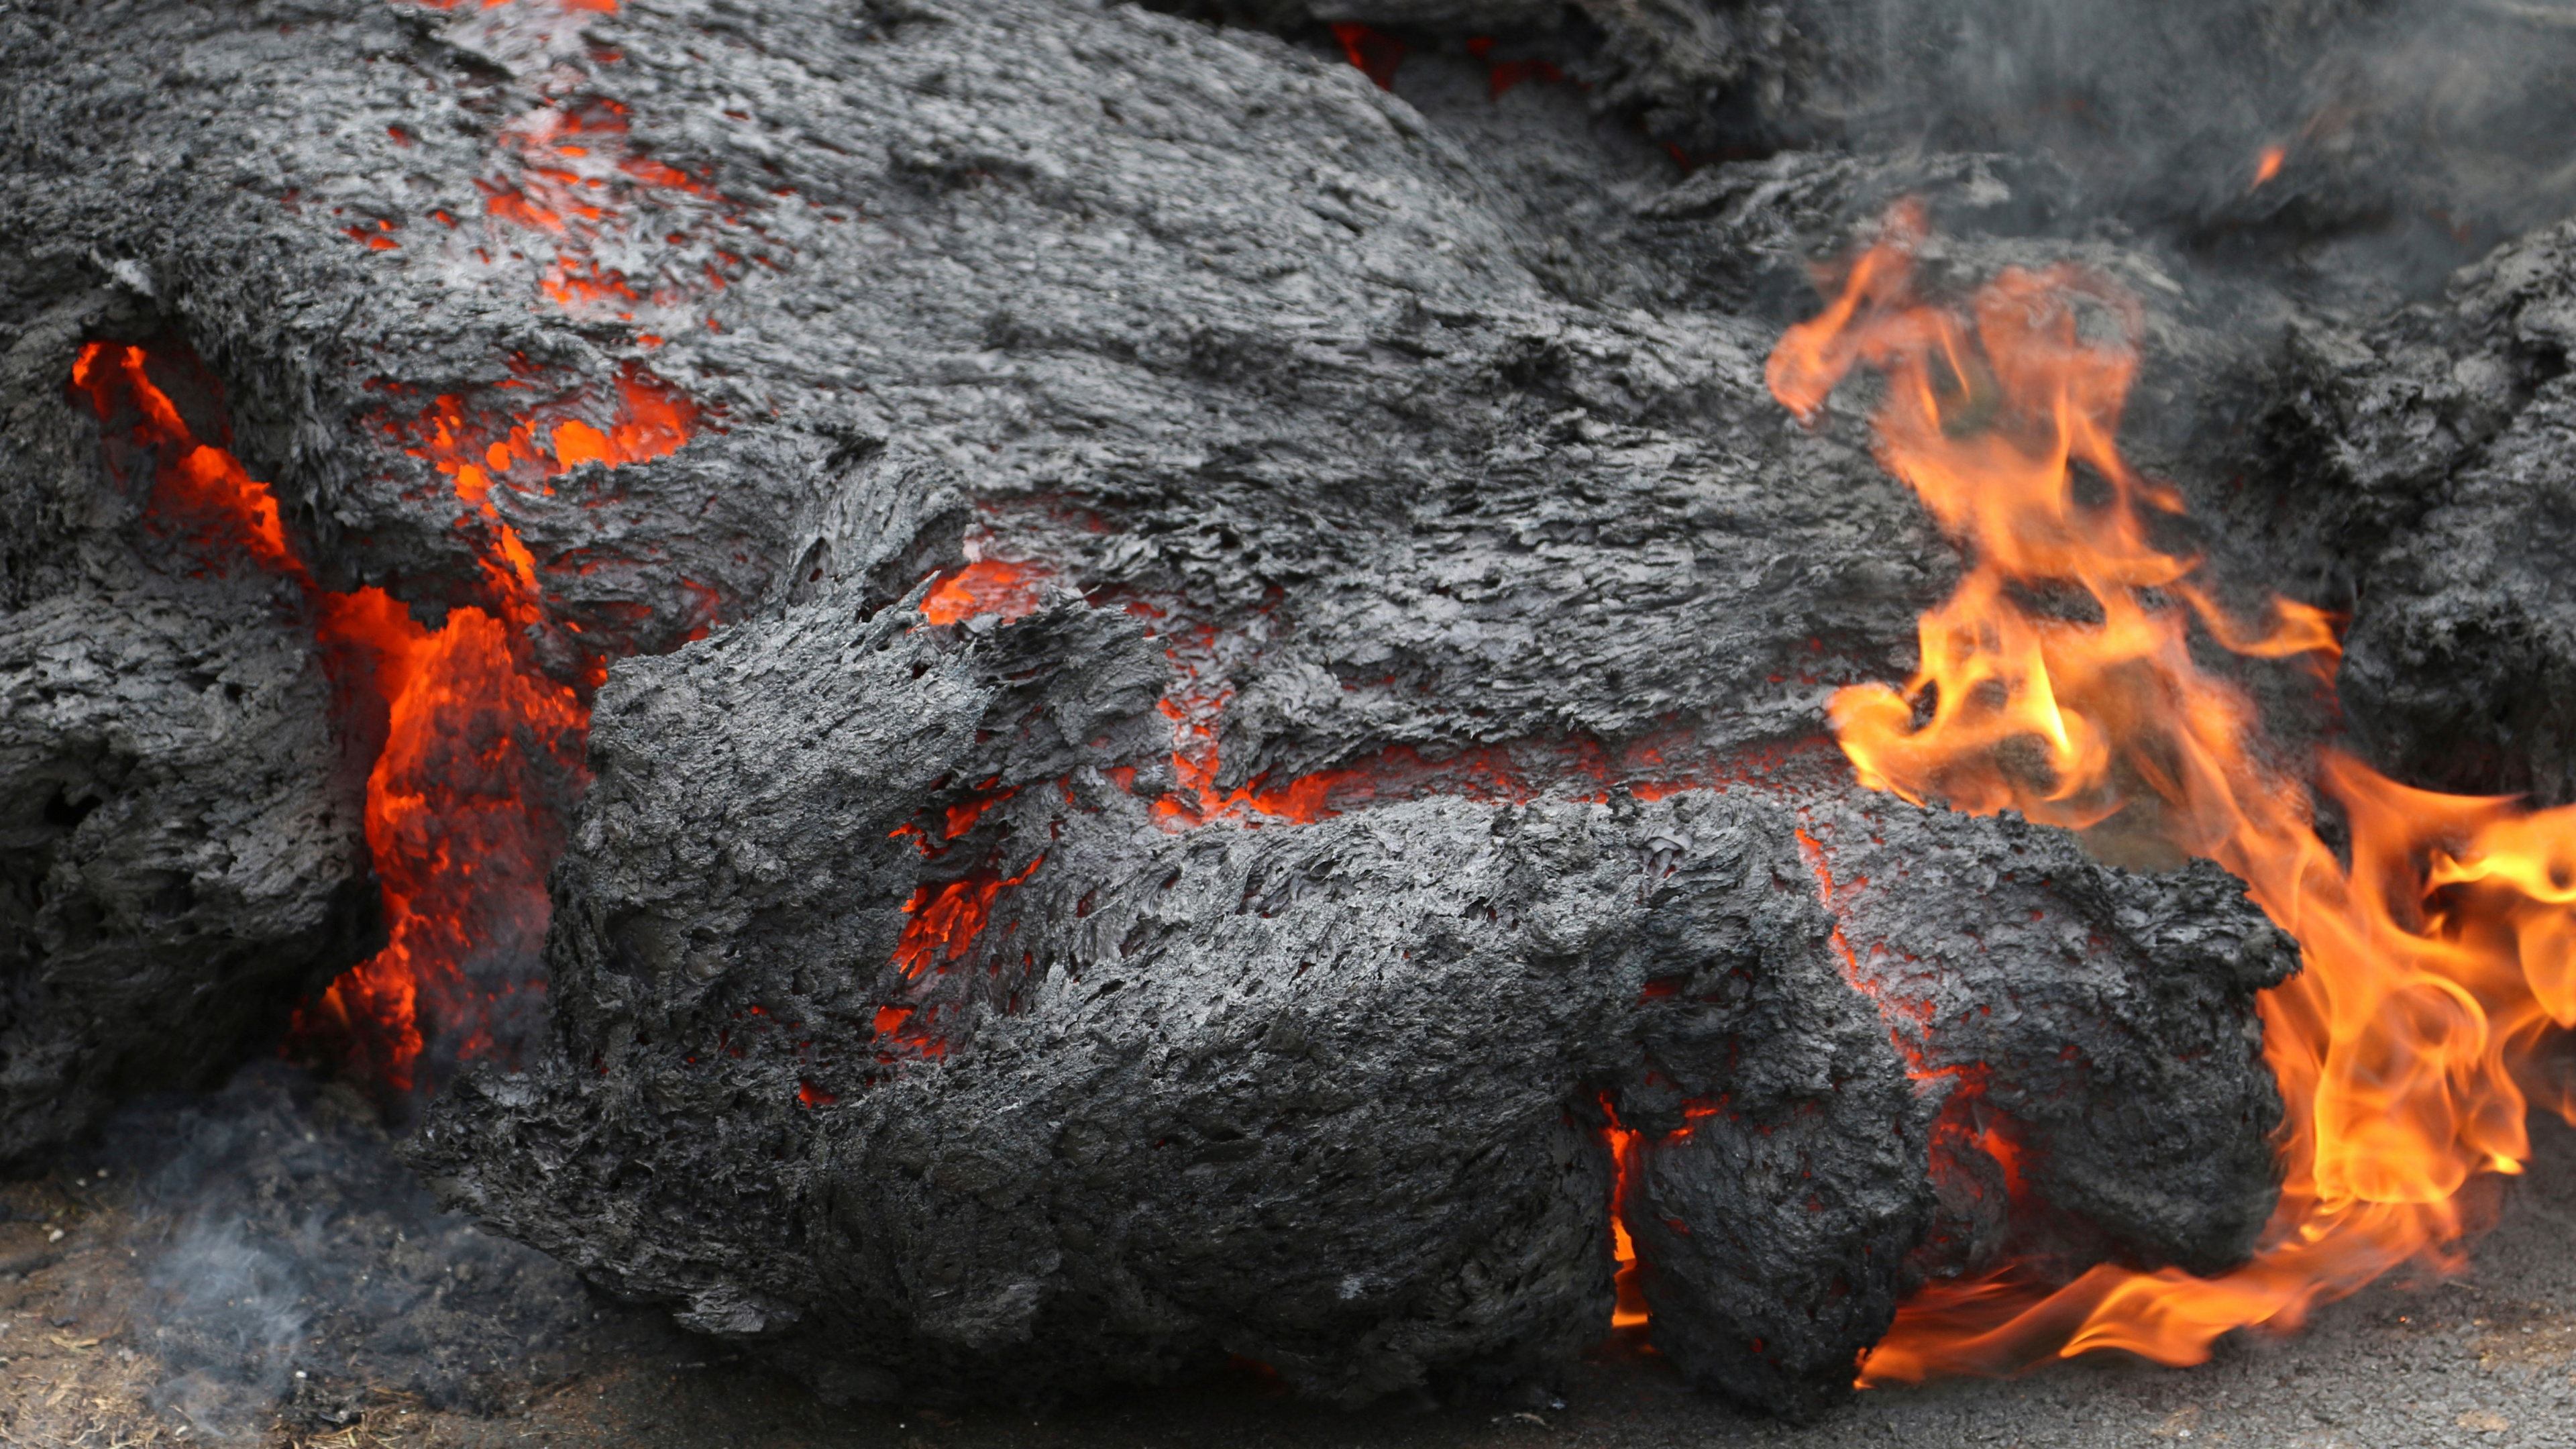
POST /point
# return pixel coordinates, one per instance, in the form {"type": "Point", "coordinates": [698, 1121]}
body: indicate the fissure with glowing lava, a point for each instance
{"type": "Point", "coordinates": [480, 750]}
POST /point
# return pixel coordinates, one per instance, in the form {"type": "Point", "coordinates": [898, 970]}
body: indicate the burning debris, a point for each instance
{"type": "Point", "coordinates": [1032, 695]}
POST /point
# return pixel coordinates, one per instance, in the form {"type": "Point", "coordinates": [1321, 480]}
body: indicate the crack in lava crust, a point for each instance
{"type": "Point", "coordinates": [480, 749]}
{"type": "Point", "coordinates": [2435, 961]}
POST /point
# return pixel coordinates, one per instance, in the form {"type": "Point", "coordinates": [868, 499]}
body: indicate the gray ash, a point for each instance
{"type": "Point", "coordinates": [289, 1265]}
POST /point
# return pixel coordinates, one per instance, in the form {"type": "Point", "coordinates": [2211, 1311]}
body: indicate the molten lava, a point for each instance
{"type": "Point", "coordinates": [2436, 958]}
{"type": "Point", "coordinates": [1628, 1276]}
{"type": "Point", "coordinates": [480, 750]}
{"type": "Point", "coordinates": [462, 824]}
{"type": "Point", "coordinates": [1007, 591]}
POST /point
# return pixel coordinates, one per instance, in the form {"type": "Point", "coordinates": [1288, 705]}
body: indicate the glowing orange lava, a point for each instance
{"type": "Point", "coordinates": [1628, 1277]}
{"type": "Point", "coordinates": [478, 746]}
{"type": "Point", "coordinates": [480, 751]}
{"type": "Point", "coordinates": [2434, 961]}
{"type": "Point", "coordinates": [1375, 52]}
{"type": "Point", "coordinates": [1006, 591]}
{"type": "Point", "coordinates": [946, 919]}
{"type": "Point", "coordinates": [2267, 166]}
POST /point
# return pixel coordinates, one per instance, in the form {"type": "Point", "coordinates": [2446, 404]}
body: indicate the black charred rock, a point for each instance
{"type": "Point", "coordinates": [1324, 1095]}
{"type": "Point", "coordinates": [1330, 1095]}
{"type": "Point", "coordinates": [2097, 1018]}
{"type": "Point", "coordinates": [180, 848]}
{"type": "Point", "coordinates": [181, 845]}
{"type": "Point", "coordinates": [2428, 460]}
{"type": "Point", "coordinates": [1372, 785]}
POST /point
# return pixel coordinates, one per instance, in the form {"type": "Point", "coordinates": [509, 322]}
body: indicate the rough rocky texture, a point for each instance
{"type": "Point", "coordinates": [181, 855]}
{"type": "Point", "coordinates": [2404, 136]}
{"type": "Point", "coordinates": [1727, 79]}
{"type": "Point", "coordinates": [1326, 1095]}
{"type": "Point", "coordinates": [2140, 1139]}
{"type": "Point", "coordinates": [2431, 455]}
{"type": "Point", "coordinates": [1387, 524]}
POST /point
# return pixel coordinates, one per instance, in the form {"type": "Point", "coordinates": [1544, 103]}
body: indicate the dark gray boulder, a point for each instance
{"type": "Point", "coordinates": [180, 849]}
{"type": "Point", "coordinates": [2429, 456]}
{"type": "Point", "coordinates": [1329, 1093]}
{"type": "Point", "coordinates": [1376, 772]}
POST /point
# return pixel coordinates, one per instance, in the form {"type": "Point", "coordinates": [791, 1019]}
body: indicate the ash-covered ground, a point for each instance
{"type": "Point", "coordinates": [254, 1269]}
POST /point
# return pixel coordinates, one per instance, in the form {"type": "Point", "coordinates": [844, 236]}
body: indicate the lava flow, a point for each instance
{"type": "Point", "coordinates": [1628, 1310]}
{"type": "Point", "coordinates": [2436, 958]}
{"type": "Point", "coordinates": [480, 751]}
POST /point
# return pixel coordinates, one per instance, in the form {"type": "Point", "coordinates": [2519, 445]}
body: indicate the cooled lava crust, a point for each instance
{"type": "Point", "coordinates": [1203, 690]}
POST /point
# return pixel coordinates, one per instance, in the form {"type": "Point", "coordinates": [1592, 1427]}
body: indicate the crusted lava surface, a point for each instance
{"type": "Point", "coordinates": [1182, 698]}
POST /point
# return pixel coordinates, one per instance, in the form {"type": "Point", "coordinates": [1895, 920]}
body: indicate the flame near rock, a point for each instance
{"type": "Point", "coordinates": [2439, 950]}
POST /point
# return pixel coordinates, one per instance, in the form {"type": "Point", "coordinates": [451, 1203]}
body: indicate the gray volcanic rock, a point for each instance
{"type": "Point", "coordinates": [1727, 78]}
{"type": "Point", "coordinates": [2432, 457]}
{"type": "Point", "coordinates": [182, 850]}
{"type": "Point", "coordinates": [1316, 1094]}
{"type": "Point", "coordinates": [2096, 1017]}
{"type": "Point", "coordinates": [180, 847]}
{"type": "Point", "coordinates": [1371, 771]}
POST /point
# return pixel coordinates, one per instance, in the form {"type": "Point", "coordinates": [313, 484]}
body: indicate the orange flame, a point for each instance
{"type": "Point", "coordinates": [2434, 961]}
{"type": "Point", "coordinates": [2267, 166]}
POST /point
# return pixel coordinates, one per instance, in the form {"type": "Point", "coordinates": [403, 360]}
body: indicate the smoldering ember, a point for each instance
{"type": "Point", "coordinates": [1001, 698]}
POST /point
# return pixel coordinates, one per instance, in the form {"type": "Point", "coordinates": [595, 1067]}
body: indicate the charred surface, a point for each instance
{"type": "Point", "coordinates": [181, 860]}
{"type": "Point", "coordinates": [2434, 455]}
{"type": "Point", "coordinates": [1375, 770]}
{"type": "Point", "coordinates": [1322, 1095]}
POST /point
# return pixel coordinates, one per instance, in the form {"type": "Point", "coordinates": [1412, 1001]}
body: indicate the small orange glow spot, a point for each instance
{"type": "Point", "coordinates": [962, 818]}
{"type": "Point", "coordinates": [577, 442]}
{"type": "Point", "coordinates": [991, 586]}
{"type": "Point", "coordinates": [945, 920]}
{"type": "Point", "coordinates": [2267, 166]}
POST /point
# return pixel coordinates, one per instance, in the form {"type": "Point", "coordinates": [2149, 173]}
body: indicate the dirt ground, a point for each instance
{"type": "Point", "coordinates": [118, 1329]}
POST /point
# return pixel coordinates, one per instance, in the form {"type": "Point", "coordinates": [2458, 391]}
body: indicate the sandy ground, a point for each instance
{"type": "Point", "coordinates": [2484, 1359]}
